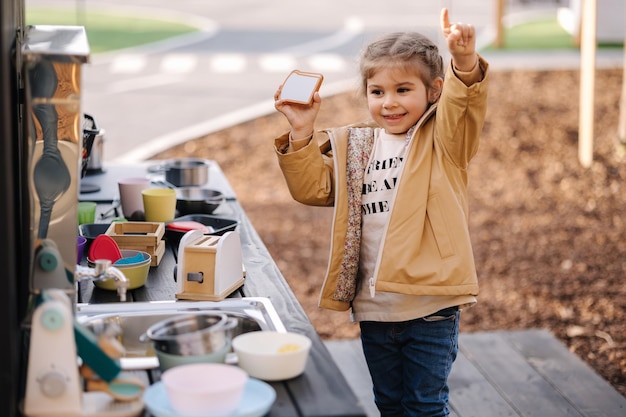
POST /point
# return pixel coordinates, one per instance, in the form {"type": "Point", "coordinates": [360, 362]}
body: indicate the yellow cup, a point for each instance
{"type": "Point", "coordinates": [159, 204]}
{"type": "Point", "coordinates": [87, 212]}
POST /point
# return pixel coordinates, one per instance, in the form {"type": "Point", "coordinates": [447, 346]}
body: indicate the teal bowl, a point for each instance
{"type": "Point", "coordinates": [168, 360]}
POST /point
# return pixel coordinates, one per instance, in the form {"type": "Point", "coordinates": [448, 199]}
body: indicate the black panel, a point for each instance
{"type": "Point", "coordinates": [14, 258]}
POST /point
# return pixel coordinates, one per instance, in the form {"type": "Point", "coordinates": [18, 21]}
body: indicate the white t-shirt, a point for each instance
{"type": "Point", "coordinates": [379, 184]}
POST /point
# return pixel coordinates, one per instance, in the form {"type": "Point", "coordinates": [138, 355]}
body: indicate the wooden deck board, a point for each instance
{"type": "Point", "coordinates": [470, 392]}
{"type": "Point", "coordinates": [583, 387]}
{"type": "Point", "coordinates": [505, 374]}
{"type": "Point", "coordinates": [349, 357]}
{"type": "Point", "coordinates": [518, 382]}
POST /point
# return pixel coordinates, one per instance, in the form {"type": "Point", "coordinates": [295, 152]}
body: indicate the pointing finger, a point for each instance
{"type": "Point", "coordinates": [445, 20]}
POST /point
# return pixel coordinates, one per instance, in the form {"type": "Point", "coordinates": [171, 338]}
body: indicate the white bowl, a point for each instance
{"type": "Point", "coordinates": [204, 389]}
{"type": "Point", "coordinates": [272, 356]}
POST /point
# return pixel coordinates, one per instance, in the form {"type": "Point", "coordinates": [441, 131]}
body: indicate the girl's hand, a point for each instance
{"type": "Point", "coordinates": [301, 117]}
{"type": "Point", "coordinates": [461, 39]}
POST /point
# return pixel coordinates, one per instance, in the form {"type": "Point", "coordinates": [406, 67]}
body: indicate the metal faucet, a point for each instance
{"type": "Point", "coordinates": [102, 271]}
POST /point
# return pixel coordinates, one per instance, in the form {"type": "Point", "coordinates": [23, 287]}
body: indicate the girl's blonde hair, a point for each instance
{"type": "Point", "coordinates": [409, 50]}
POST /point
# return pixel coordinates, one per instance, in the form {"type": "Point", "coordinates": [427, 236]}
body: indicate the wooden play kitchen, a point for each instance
{"type": "Point", "coordinates": [142, 236]}
{"type": "Point", "coordinates": [321, 390]}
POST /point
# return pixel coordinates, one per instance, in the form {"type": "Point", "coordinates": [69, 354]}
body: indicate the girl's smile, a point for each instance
{"type": "Point", "coordinates": [394, 118]}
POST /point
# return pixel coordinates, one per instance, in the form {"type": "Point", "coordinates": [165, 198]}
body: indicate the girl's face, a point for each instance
{"type": "Point", "coordinates": [396, 98]}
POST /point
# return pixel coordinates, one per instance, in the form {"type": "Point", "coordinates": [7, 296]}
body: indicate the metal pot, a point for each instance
{"type": "Point", "coordinates": [184, 172]}
{"type": "Point", "coordinates": [192, 335]}
{"type": "Point", "coordinates": [197, 200]}
{"type": "Point", "coordinates": [93, 138]}
{"type": "Point", "coordinates": [97, 153]}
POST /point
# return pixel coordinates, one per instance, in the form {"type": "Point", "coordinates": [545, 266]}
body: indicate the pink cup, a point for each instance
{"type": "Point", "coordinates": [80, 248]}
{"type": "Point", "coordinates": [130, 194]}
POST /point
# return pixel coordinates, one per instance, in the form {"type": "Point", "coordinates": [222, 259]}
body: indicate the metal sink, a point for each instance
{"type": "Point", "coordinates": [133, 319]}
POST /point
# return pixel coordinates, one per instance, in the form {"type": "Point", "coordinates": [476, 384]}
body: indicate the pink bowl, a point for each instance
{"type": "Point", "coordinates": [204, 389]}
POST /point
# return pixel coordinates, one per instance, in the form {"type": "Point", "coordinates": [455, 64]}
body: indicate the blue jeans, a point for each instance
{"type": "Point", "coordinates": [410, 362]}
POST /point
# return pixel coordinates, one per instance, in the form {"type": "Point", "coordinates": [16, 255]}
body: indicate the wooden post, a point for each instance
{"type": "Point", "coordinates": [499, 41]}
{"type": "Point", "coordinates": [587, 83]}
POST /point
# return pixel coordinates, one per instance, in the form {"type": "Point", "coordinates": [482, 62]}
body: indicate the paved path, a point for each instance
{"type": "Point", "coordinates": [151, 98]}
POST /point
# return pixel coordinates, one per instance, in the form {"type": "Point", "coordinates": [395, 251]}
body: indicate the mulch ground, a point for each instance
{"type": "Point", "coordinates": [549, 235]}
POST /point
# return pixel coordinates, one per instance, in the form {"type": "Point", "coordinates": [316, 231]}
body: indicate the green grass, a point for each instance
{"type": "Point", "coordinates": [107, 32]}
{"type": "Point", "coordinates": [542, 34]}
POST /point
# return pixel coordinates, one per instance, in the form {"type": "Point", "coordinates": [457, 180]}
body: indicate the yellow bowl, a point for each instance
{"type": "Point", "coordinates": [136, 273]}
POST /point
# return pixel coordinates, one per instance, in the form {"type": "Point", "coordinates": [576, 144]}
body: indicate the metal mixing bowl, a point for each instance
{"type": "Point", "coordinates": [193, 334]}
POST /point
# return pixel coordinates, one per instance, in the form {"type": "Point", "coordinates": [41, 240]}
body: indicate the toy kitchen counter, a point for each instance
{"type": "Point", "coordinates": [322, 389]}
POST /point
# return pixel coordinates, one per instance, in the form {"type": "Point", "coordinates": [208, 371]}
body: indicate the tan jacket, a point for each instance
{"type": "Point", "coordinates": [426, 249]}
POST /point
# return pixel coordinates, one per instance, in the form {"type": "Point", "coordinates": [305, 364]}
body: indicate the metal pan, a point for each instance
{"type": "Point", "coordinates": [197, 200]}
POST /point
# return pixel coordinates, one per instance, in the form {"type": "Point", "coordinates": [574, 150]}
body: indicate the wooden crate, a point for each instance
{"type": "Point", "coordinates": [142, 236]}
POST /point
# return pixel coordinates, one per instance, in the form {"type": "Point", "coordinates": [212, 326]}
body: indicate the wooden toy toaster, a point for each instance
{"type": "Point", "coordinates": [209, 267]}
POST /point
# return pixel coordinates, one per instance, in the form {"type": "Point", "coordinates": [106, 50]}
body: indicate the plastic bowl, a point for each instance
{"type": "Point", "coordinates": [272, 356]}
{"type": "Point", "coordinates": [81, 242]}
{"type": "Point", "coordinates": [204, 389]}
{"type": "Point", "coordinates": [136, 273]}
{"type": "Point", "coordinates": [90, 231]}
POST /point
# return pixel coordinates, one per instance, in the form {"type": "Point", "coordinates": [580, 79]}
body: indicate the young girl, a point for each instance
{"type": "Point", "coordinates": [401, 257]}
